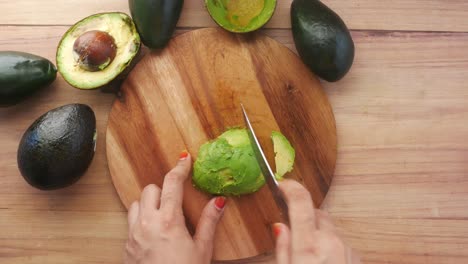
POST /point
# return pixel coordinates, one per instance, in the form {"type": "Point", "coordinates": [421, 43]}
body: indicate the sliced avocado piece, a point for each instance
{"type": "Point", "coordinates": [58, 147]}
{"type": "Point", "coordinates": [97, 49]}
{"type": "Point", "coordinates": [242, 15]}
{"type": "Point", "coordinates": [322, 39]}
{"type": "Point", "coordinates": [22, 74]}
{"type": "Point", "coordinates": [227, 165]}
{"type": "Point", "coordinates": [156, 20]}
{"type": "Point", "coordinates": [284, 154]}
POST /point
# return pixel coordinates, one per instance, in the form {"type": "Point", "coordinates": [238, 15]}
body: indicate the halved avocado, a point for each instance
{"type": "Point", "coordinates": [97, 49]}
{"type": "Point", "coordinates": [241, 16]}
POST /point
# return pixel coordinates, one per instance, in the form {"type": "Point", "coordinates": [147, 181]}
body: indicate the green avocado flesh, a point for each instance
{"type": "Point", "coordinates": [284, 154]}
{"type": "Point", "coordinates": [97, 49]}
{"type": "Point", "coordinates": [322, 39]}
{"type": "Point", "coordinates": [22, 74]}
{"type": "Point", "coordinates": [241, 15]}
{"type": "Point", "coordinates": [227, 165]}
{"type": "Point", "coordinates": [58, 147]}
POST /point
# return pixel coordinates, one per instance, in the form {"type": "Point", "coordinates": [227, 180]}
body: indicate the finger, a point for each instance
{"type": "Point", "coordinates": [283, 243]}
{"type": "Point", "coordinates": [324, 222]}
{"type": "Point", "coordinates": [206, 228]}
{"type": "Point", "coordinates": [173, 186]}
{"type": "Point", "coordinates": [352, 257]}
{"type": "Point", "coordinates": [301, 212]}
{"type": "Point", "coordinates": [150, 197]}
{"type": "Point", "coordinates": [132, 215]}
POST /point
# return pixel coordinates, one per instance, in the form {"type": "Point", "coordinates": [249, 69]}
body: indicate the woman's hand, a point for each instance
{"type": "Point", "coordinates": [312, 238]}
{"type": "Point", "coordinates": [157, 231]}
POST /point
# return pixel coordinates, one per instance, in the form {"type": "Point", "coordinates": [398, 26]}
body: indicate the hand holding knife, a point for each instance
{"type": "Point", "coordinates": [266, 169]}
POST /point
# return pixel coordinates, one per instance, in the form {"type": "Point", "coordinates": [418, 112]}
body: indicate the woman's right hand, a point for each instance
{"type": "Point", "coordinates": [312, 238]}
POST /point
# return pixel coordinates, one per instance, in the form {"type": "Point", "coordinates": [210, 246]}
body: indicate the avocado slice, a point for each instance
{"type": "Point", "coordinates": [284, 154]}
{"type": "Point", "coordinates": [22, 74]}
{"type": "Point", "coordinates": [97, 49]}
{"type": "Point", "coordinates": [322, 39]}
{"type": "Point", "coordinates": [227, 165]}
{"type": "Point", "coordinates": [156, 20]}
{"type": "Point", "coordinates": [241, 16]}
{"type": "Point", "coordinates": [58, 147]}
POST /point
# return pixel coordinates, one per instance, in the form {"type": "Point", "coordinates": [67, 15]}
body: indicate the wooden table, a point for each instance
{"type": "Point", "coordinates": [400, 193]}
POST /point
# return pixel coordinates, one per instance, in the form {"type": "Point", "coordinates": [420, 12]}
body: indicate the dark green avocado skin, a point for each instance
{"type": "Point", "coordinates": [58, 147]}
{"type": "Point", "coordinates": [322, 39]}
{"type": "Point", "coordinates": [21, 74]}
{"type": "Point", "coordinates": [155, 20]}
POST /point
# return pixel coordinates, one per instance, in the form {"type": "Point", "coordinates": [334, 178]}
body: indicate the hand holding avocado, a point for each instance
{"type": "Point", "coordinates": [156, 223]}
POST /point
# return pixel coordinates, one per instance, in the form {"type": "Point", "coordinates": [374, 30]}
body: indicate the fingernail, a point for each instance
{"type": "Point", "coordinates": [220, 202]}
{"type": "Point", "coordinates": [183, 155]}
{"type": "Point", "coordinates": [276, 229]}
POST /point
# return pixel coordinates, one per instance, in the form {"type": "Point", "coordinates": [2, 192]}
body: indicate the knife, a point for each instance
{"type": "Point", "coordinates": [265, 167]}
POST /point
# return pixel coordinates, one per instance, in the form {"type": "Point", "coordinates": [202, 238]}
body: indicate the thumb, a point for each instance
{"type": "Point", "coordinates": [206, 228]}
{"type": "Point", "coordinates": [283, 245]}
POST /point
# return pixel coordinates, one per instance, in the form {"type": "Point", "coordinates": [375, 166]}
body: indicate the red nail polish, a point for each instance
{"type": "Point", "coordinates": [276, 229]}
{"type": "Point", "coordinates": [220, 202]}
{"type": "Point", "coordinates": [183, 155]}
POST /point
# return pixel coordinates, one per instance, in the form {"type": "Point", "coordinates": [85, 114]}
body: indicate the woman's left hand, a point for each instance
{"type": "Point", "coordinates": [157, 231]}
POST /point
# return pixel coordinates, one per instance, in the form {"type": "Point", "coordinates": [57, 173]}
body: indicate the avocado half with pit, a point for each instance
{"type": "Point", "coordinates": [227, 165]}
{"type": "Point", "coordinates": [97, 49]}
{"type": "Point", "coordinates": [241, 16]}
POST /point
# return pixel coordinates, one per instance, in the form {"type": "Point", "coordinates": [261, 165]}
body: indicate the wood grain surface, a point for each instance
{"type": "Point", "coordinates": [400, 190]}
{"type": "Point", "coordinates": [191, 93]}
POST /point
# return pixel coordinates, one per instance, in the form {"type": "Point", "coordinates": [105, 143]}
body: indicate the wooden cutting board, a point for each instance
{"type": "Point", "coordinates": [189, 93]}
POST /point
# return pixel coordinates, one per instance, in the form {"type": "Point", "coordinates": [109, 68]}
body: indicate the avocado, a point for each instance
{"type": "Point", "coordinates": [22, 74]}
{"type": "Point", "coordinates": [284, 154]}
{"type": "Point", "coordinates": [227, 165]}
{"type": "Point", "coordinates": [97, 49]}
{"type": "Point", "coordinates": [241, 16]}
{"type": "Point", "coordinates": [156, 20]}
{"type": "Point", "coordinates": [58, 147]}
{"type": "Point", "coordinates": [322, 39]}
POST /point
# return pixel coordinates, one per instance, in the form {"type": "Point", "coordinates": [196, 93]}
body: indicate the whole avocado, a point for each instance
{"type": "Point", "coordinates": [322, 39]}
{"type": "Point", "coordinates": [22, 74]}
{"type": "Point", "coordinates": [58, 147]}
{"type": "Point", "coordinates": [155, 20]}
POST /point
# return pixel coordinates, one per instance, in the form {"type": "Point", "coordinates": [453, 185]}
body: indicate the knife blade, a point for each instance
{"type": "Point", "coordinates": [265, 167]}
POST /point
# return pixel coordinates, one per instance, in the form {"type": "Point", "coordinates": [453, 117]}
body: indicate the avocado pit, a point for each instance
{"type": "Point", "coordinates": [94, 50]}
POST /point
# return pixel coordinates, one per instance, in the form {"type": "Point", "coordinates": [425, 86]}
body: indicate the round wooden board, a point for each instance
{"type": "Point", "coordinates": [189, 93]}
